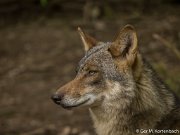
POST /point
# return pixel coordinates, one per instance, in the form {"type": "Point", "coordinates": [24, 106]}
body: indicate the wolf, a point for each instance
{"type": "Point", "coordinates": [122, 91]}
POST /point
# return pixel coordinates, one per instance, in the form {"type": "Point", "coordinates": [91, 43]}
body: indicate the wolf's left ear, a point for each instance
{"type": "Point", "coordinates": [87, 40]}
{"type": "Point", "coordinates": [125, 44]}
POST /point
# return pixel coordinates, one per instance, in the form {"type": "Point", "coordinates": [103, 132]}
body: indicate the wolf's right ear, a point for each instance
{"type": "Point", "coordinates": [125, 44]}
{"type": "Point", "coordinates": [88, 41]}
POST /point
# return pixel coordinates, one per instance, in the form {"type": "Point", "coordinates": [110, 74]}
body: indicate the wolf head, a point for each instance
{"type": "Point", "coordinates": [106, 73]}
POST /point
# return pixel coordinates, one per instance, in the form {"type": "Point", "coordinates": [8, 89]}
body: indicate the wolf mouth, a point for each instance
{"type": "Point", "coordinates": [76, 105]}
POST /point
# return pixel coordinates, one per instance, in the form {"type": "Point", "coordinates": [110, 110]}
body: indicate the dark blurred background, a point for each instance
{"type": "Point", "coordinates": [40, 48]}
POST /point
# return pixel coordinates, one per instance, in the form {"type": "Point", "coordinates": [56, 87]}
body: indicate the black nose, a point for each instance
{"type": "Point", "coordinates": [57, 98]}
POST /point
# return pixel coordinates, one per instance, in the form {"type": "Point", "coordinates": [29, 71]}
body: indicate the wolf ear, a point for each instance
{"type": "Point", "coordinates": [125, 44]}
{"type": "Point", "coordinates": [87, 40]}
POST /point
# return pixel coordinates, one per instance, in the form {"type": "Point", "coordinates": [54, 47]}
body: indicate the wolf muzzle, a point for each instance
{"type": "Point", "coordinates": [57, 98]}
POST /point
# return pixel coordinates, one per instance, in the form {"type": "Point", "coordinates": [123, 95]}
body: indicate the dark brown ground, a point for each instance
{"type": "Point", "coordinates": [39, 56]}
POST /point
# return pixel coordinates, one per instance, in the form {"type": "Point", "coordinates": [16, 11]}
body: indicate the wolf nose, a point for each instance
{"type": "Point", "coordinates": [57, 98]}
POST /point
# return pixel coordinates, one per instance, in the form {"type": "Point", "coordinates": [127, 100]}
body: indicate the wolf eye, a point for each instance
{"type": "Point", "coordinates": [92, 72]}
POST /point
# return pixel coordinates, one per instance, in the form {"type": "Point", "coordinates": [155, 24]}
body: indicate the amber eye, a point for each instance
{"type": "Point", "coordinates": [92, 72]}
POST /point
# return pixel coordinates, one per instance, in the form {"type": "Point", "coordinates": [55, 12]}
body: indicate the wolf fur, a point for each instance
{"type": "Point", "coordinates": [121, 90]}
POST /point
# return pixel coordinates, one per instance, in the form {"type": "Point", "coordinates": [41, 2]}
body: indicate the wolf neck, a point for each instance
{"type": "Point", "coordinates": [110, 121]}
{"type": "Point", "coordinates": [150, 103]}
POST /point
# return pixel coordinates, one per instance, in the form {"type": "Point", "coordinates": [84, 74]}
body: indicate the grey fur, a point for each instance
{"type": "Point", "coordinates": [105, 64]}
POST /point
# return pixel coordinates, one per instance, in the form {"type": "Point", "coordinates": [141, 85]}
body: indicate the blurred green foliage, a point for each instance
{"type": "Point", "coordinates": [108, 11]}
{"type": "Point", "coordinates": [169, 76]}
{"type": "Point", "coordinates": [44, 3]}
